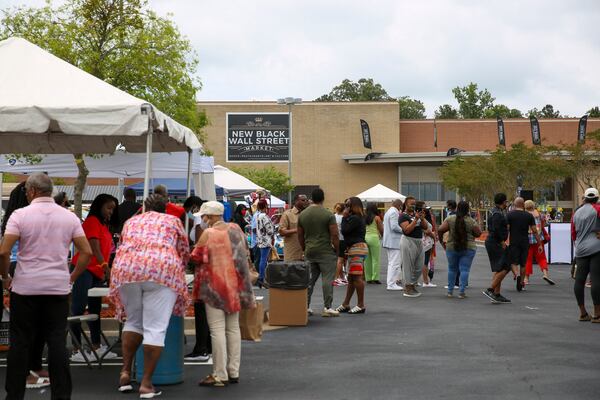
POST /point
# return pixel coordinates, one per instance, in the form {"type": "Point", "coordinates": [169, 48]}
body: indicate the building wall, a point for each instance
{"type": "Point", "coordinates": [481, 135]}
{"type": "Point", "coordinates": [322, 133]}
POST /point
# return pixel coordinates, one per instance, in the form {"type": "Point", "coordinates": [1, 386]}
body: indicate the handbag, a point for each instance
{"type": "Point", "coordinates": [273, 255]}
{"type": "Point", "coordinates": [252, 272]}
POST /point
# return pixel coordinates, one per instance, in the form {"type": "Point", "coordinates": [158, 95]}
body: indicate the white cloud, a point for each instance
{"type": "Point", "coordinates": [527, 54]}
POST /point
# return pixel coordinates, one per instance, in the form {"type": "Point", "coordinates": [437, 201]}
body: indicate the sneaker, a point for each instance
{"type": "Point", "coordinates": [395, 286]}
{"type": "Point", "coordinates": [309, 311]}
{"type": "Point", "coordinates": [502, 299]}
{"type": "Point", "coordinates": [462, 296]}
{"type": "Point", "coordinates": [103, 353]}
{"type": "Point", "coordinates": [78, 357]}
{"type": "Point", "coordinates": [455, 287]}
{"type": "Point", "coordinates": [200, 357]}
{"type": "Point", "coordinates": [429, 285]}
{"type": "Point", "coordinates": [330, 312]}
{"type": "Point", "coordinates": [410, 291]}
{"type": "Point", "coordinates": [491, 295]}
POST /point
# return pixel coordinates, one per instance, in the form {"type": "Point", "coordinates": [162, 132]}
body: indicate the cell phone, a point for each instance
{"type": "Point", "coordinates": [418, 209]}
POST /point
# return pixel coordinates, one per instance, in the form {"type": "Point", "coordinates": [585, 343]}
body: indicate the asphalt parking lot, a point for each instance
{"type": "Point", "coordinates": [430, 347]}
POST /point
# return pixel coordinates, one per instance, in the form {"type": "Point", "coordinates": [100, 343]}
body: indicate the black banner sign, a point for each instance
{"type": "Point", "coordinates": [582, 129]}
{"type": "Point", "coordinates": [536, 136]}
{"type": "Point", "coordinates": [366, 133]}
{"type": "Point", "coordinates": [257, 137]}
{"type": "Point", "coordinates": [501, 135]}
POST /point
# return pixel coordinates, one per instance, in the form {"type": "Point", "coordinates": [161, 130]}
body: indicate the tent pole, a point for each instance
{"type": "Point", "coordinates": [148, 110]}
{"type": "Point", "coordinates": [189, 187]}
{"type": "Point", "coordinates": [1, 188]}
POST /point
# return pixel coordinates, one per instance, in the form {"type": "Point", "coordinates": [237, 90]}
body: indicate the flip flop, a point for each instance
{"type": "Point", "coordinates": [40, 383]}
{"type": "Point", "coordinates": [126, 388]}
{"type": "Point", "coordinates": [585, 318]}
{"type": "Point", "coordinates": [550, 281]}
{"type": "Point", "coordinates": [357, 310]}
{"type": "Point", "coordinates": [150, 395]}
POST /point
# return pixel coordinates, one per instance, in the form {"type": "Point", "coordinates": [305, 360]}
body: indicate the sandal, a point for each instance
{"type": "Point", "coordinates": [550, 281]}
{"type": "Point", "coordinates": [595, 319]}
{"type": "Point", "coordinates": [211, 380]}
{"type": "Point", "coordinates": [39, 383]}
{"type": "Point", "coordinates": [357, 310]}
{"type": "Point", "coordinates": [585, 318]}
{"type": "Point", "coordinates": [126, 387]}
{"type": "Point", "coordinates": [342, 309]}
{"type": "Point", "coordinates": [150, 395]}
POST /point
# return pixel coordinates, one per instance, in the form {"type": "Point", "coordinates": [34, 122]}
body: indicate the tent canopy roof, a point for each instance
{"type": "Point", "coordinates": [117, 165]}
{"type": "Point", "coordinates": [380, 193]}
{"type": "Point", "coordinates": [48, 106]}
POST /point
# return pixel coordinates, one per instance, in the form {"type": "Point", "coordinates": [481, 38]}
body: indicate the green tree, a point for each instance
{"type": "Point", "coordinates": [478, 178]}
{"type": "Point", "coordinates": [446, 111]}
{"type": "Point", "coordinates": [584, 160]}
{"type": "Point", "coordinates": [411, 108]}
{"type": "Point", "coordinates": [594, 112]}
{"type": "Point", "coordinates": [363, 90]}
{"type": "Point", "coordinates": [546, 112]}
{"type": "Point", "coordinates": [472, 102]}
{"type": "Point", "coordinates": [270, 178]}
{"type": "Point", "coordinates": [502, 111]}
{"type": "Point", "coordinates": [122, 42]}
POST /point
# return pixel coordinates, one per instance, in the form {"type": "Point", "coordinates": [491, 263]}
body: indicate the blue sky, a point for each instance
{"type": "Point", "coordinates": [527, 53]}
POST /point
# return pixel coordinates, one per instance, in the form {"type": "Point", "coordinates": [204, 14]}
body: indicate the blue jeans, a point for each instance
{"type": "Point", "coordinates": [459, 261]}
{"type": "Point", "coordinates": [264, 258]}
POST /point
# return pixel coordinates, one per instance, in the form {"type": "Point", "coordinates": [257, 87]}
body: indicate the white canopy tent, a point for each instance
{"type": "Point", "coordinates": [380, 194]}
{"type": "Point", "coordinates": [234, 184]}
{"type": "Point", "coordinates": [48, 106]}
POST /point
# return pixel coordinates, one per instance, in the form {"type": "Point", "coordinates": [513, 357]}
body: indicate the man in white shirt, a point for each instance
{"type": "Point", "coordinates": [391, 242]}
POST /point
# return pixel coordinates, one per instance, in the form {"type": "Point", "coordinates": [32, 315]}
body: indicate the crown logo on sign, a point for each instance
{"type": "Point", "coordinates": [258, 120]}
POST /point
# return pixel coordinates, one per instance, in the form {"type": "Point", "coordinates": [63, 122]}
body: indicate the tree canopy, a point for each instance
{"type": "Point", "coordinates": [502, 111]}
{"type": "Point", "coordinates": [472, 102]}
{"type": "Point", "coordinates": [446, 111]}
{"type": "Point", "coordinates": [479, 178]}
{"type": "Point", "coordinates": [270, 178]}
{"type": "Point", "coordinates": [411, 108]}
{"type": "Point", "coordinates": [594, 112]}
{"type": "Point", "coordinates": [365, 89]}
{"type": "Point", "coordinates": [546, 112]}
{"type": "Point", "coordinates": [122, 42]}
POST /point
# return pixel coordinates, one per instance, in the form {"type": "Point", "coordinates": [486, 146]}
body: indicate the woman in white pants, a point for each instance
{"type": "Point", "coordinates": [148, 283]}
{"type": "Point", "coordinates": [223, 283]}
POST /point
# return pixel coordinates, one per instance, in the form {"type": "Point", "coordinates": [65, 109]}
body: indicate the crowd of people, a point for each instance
{"type": "Point", "coordinates": [142, 252]}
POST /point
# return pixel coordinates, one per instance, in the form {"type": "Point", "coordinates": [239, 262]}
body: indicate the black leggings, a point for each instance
{"type": "Point", "coordinates": [588, 265]}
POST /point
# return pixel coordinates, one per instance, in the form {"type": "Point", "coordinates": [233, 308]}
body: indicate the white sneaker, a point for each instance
{"type": "Point", "coordinates": [429, 285]}
{"type": "Point", "coordinates": [310, 311]}
{"type": "Point", "coordinates": [78, 357]}
{"type": "Point", "coordinates": [330, 312]}
{"type": "Point", "coordinates": [103, 353]}
{"type": "Point", "coordinates": [395, 286]}
{"type": "Point", "coordinates": [455, 287]}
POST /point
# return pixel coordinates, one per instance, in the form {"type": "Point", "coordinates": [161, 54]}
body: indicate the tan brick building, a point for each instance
{"type": "Point", "coordinates": [328, 149]}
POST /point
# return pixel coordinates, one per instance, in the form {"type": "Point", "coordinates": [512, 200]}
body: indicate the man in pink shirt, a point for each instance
{"type": "Point", "coordinates": [41, 284]}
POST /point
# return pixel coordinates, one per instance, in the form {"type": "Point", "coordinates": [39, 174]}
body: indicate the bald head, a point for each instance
{"type": "Point", "coordinates": [519, 203]}
{"type": "Point", "coordinates": [397, 203]}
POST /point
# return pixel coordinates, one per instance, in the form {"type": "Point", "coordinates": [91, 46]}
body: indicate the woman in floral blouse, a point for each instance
{"type": "Point", "coordinates": [265, 233]}
{"type": "Point", "coordinates": [223, 283]}
{"type": "Point", "coordinates": [148, 283]}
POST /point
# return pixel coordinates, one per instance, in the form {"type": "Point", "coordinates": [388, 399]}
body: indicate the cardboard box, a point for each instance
{"type": "Point", "coordinates": [288, 307]}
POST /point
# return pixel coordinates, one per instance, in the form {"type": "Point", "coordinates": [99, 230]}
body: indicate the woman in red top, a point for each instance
{"type": "Point", "coordinates": [97, 227]}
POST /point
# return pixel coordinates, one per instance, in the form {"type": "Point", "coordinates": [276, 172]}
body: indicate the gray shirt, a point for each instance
{"type": "Point", "coordinates": [586, 242]}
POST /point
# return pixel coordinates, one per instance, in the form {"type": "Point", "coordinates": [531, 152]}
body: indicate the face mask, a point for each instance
{"type": "Point", "coordinates": [244, 212]}
{"type": "Point", "coordinates": [190, 215]}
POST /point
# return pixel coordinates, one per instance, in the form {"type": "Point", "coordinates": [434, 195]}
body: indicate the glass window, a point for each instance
{"type": "Point", "coordinates": [429, 191]}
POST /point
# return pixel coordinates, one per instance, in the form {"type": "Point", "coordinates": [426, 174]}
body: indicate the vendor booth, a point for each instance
{"type": "Point", "coordinates": [380, 194]}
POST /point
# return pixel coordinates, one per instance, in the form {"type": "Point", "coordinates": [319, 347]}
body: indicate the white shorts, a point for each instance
{"type": "Point", "coordinates": [148, 306]}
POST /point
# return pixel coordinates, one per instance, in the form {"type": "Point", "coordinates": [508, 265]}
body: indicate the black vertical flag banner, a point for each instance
{"type": "Point", "coordinates": [435, 134]}
{"type": "Point", "coordinates": [366, 133]}
{"type": "Point", "coordinates": [536, 137]}
{"type": "Point", "coordinates": [501, 135]}
{"type": "Point", "coordinates": [582, 129]}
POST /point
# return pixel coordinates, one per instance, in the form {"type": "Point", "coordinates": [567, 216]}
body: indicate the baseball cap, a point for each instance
{"type": "Point", "coordinates": [591, 193]}
{"type": "Point", "coordinates": [212, 208]}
